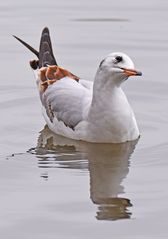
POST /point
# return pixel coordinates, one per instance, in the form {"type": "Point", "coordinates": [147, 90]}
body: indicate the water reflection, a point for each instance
{"type": "Point", "coordinates": [108, 165]}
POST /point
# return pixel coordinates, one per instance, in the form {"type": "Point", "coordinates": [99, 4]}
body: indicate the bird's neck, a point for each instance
{"type": "Point", "coordinates": [110, 116]}
{"type": "Point", "coordinates": [106, 90]}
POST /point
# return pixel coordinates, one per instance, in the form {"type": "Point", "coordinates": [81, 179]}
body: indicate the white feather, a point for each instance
{"type": "Point", "coordinates": [96, 112]}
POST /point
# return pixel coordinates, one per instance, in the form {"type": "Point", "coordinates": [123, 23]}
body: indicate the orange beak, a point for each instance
{"type": "Point", "coordinates": [130, 72]}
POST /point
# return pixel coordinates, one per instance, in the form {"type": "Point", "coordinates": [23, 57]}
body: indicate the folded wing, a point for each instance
{"type": "Point", "coordinates": [68, 101]}
{"type": "Point", "coordinates": [64, 95]}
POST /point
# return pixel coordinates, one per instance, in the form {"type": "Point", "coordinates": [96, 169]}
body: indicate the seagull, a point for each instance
{"type": "Point", "coordinates": [75, 108]}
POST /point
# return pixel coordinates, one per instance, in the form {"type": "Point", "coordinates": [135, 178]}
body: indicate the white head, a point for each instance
{"type": "Point", "coordinates": [117, 67]}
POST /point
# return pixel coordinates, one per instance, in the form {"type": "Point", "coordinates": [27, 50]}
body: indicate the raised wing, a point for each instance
{"type": "Point", "coordinates": [63, 94]}
{"type": "Point", "coordinates": [46, 56]}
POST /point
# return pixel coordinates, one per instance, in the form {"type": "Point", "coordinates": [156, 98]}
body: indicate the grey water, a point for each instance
{"type": "Point", "coordinates": [52, 187]}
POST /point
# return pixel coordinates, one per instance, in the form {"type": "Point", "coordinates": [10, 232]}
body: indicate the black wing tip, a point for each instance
{"type": "Point", "coordinates": [16, 37]}
{"type": "Point", "coordinates": [27, 45]}
{"type": "Point", "coordinates": [45, 30]}
{"type": "Point", "coordinates": [45, 49]}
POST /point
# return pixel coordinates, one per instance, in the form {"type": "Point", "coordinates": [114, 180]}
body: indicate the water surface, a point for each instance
{"type": "Point", "coordinates": [52, 187]}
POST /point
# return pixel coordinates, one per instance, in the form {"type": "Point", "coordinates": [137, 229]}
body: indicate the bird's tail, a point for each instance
{"type": "Point", "coordinates": [45, 55]}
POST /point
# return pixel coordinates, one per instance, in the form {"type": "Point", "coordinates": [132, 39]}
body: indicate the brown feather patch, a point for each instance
{"type": "Point", "coordinates": [51, 74]}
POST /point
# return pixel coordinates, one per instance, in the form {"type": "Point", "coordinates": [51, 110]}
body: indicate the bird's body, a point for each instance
{"type": "Point", "coordinates": [82, 110]}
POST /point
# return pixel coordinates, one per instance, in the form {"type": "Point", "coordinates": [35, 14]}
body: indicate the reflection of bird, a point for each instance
{"type": "Point", "coordinates": [108, 165]}
{"type": "Point", "coordinates": [82, 110]}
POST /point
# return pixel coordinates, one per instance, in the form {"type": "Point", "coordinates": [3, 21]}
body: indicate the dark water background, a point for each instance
{"type": "Point", "coordinates": [51, 187]}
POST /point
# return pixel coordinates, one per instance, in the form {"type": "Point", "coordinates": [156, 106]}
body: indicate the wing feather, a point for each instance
{"type": "Point", "coordinates": [69, 101]}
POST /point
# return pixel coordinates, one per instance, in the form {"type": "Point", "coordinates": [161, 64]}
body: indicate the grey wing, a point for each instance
{"type": "Point", "coordinates": [87, 84]}
{"type": "Point", "coordinates": [68, 100]}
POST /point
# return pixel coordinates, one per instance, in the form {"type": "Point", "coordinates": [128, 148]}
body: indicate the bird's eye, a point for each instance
{"type": "Point", "coordinates": [119, 59]}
